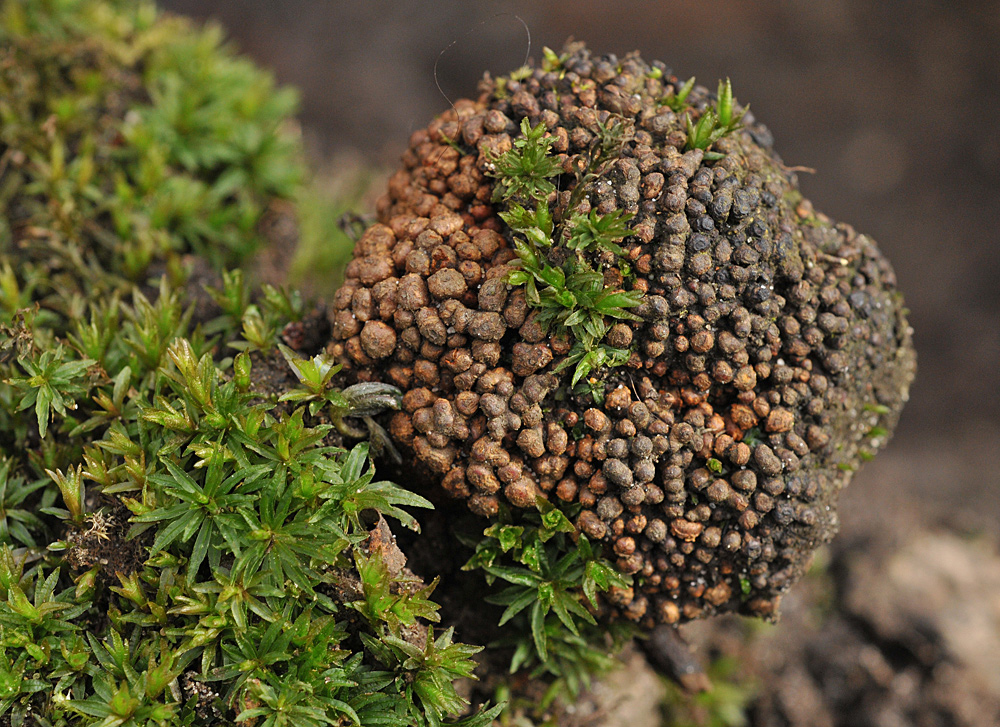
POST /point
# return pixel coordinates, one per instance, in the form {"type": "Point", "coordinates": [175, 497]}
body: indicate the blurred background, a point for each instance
{"type": "Point", "coordinates": [895, 104]}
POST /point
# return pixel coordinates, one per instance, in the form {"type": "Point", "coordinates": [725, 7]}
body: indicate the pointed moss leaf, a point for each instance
{"type": "Point", "coordinates": [353, 465]}
{"type": "Point", "coordinates": [517, 602]}
{"type": "Point", "coordinates": [601, 576]}
{"type": "Point", "coordinates": [724, 103]}
{"type": "Point", "coordinates": [538, 630]}
{"type": "Point", "coordinates": [553, 276]}
{"type": "Point", "coordinates": [523, 172]}
{"type": "Point", "coordinates": [518, 576]}
{"type": "Point", "coordinates": [559, 607]}
{"type": "Point", "coordinates": [527, 254]}
{"type": "Point", "coordinates": [314, 373]}
{"type": "Point", "coordinates": [595, 231]}
{"type": "Point", "coordinates": [517, 277]}
{"type": "Point", "coordinates": [676, 100]}
{"type": "Point", "coordinates": [484, 718]}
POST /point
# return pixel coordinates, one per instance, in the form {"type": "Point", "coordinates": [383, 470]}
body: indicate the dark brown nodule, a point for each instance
{"type": "Point", "coordinates": [770, 341]}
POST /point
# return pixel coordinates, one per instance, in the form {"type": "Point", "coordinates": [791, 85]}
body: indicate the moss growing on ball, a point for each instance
{"type": "Point", "coordinates": [761, 341]}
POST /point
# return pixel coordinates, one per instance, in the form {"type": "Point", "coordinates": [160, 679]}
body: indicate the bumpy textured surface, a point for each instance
{"type": "Point", "coordinates": [772, 356]}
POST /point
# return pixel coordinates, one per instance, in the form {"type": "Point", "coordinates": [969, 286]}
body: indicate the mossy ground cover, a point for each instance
{"type": "Point", "coordinates": [187, 537]}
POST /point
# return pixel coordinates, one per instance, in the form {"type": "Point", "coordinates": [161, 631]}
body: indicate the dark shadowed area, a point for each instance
{"type": "Point", "coordinates": [895, 105]}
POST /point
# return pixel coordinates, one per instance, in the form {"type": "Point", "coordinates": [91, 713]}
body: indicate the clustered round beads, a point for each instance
{"type": "Point", "coordinates": [771, 341]}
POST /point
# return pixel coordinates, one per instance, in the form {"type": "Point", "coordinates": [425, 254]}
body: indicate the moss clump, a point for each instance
{"type": "Point", "coordinates": [128, 138]}
{"type": "Point", "coordinates": [186, 535]}
{"type": "Point", "coordinates": [184, 545]}
{"type": "Point", "coordinates": [697, 430]}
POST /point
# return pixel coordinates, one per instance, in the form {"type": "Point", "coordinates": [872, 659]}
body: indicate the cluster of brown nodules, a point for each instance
{"type": "Point", "coordinates": [771, 354]}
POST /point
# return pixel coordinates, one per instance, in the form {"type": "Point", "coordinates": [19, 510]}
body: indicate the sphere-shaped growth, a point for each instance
{"type": "Point", "coordinates": [601, 286]}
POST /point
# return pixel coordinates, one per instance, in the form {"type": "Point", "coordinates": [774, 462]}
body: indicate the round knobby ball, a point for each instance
{"type": "Point", "coordinates": [768, 357]}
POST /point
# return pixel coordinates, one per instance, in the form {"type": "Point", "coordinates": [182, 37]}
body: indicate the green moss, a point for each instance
{"type": "Point", "coordinates": [187, 536]}
{"type": "Point", "coordinates": [567, 289]}
{"type": "Point", "coordinates": [548, 578]}
{"type": "Point", "coordinates": [200, 531]}
{"type": "Point", "coordinates": [714, 123]}
{"type": "Point", "coordinates": [128, 138]}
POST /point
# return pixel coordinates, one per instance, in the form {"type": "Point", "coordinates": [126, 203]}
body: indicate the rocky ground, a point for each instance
{"type": "Point", "coordinates": [894, 105]}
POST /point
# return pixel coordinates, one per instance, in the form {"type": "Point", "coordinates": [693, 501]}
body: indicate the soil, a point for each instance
{"type": "Point", "coordinates": [901, 627]}
{"type": "Point", "coordinates": [899, 635]}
